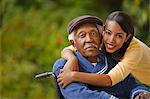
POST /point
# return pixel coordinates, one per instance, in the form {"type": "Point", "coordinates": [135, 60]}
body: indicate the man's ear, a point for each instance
{"type": "Point", "coordinates": [72, 42]}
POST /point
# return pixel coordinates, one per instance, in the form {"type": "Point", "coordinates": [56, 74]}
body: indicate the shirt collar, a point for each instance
{"type": "Point", "coordinates": [87, 66]}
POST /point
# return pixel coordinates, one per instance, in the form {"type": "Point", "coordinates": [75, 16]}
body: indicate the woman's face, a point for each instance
{"type": "Point", "coordinates": [113, 36]}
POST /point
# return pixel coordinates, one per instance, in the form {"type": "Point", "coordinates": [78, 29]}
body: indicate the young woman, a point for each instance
{"type": "Point", "coordinates": [119, 43]}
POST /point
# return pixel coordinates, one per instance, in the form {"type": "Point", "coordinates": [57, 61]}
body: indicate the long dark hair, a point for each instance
{"type": "Point", "coordinates": [125, 22]}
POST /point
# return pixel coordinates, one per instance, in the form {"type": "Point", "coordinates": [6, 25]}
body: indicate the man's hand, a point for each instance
{"type": "Point", "coordinates": [143, 95]}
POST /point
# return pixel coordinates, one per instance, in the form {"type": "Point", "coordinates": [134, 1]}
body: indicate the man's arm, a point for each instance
{"type": "Point", "coordinates": [136, 88]}
{"type": "Point", "coordinates": [78, 90]}
{"type": "Point", "coordinates": [140, 91]}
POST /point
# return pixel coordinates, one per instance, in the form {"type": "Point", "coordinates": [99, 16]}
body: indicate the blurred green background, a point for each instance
{"type": "Point", "coordinates": [33, 32]}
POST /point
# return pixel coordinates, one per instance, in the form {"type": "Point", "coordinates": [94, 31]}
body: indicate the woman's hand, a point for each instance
{"type": "Point", "coordinates": [72, 61]}
{"type": "Point", "coordinates": [65, 78]}
{"type": "Point", "coordinates": [67, 52]}
{"type": "Point", "coordinates": [71, 65]}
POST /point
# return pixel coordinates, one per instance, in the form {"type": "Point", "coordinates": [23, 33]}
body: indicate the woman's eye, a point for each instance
{"type": "Point", "coordinates": [120, 36]}
{"type": "Point", "coordinates": [109, 33]}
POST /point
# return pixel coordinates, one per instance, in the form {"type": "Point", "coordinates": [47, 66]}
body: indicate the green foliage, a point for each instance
{"type": "Point", "coordinates": [139, 9]}
{"type": "Point", "coordinates": [30, 44]}
{"type": "Point", "coordinates": [32, 34]}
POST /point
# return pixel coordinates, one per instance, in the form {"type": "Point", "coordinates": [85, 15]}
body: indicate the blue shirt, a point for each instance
{"type": "Point", "coordinates": [125, 89]}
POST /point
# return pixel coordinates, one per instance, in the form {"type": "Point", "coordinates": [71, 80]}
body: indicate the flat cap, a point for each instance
{"type": "Point", "coordinates": [82, 20]}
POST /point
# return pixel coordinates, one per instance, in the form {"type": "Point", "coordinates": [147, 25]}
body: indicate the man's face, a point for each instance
{"type": "Point", "coordinates": [87, 40]}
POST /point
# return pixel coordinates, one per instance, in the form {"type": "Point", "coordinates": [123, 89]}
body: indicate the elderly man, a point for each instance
{"type": "Point", "coordinates": [85, 36]}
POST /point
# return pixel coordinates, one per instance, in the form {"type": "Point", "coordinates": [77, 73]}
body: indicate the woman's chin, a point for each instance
{"type": "Point", "coordinates": [110, 50]}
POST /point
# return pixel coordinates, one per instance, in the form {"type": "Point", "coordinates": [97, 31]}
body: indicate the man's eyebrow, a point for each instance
{"type": "Point", "coordinates": [79, 32]}
{"type": "Point", "coordinates": [94, 30]}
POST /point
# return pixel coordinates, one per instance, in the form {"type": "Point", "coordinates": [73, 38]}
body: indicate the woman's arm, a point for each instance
{"type": "Point", "coordinates": [65, 78]}
{"type": "Point", "coordinates": [130, 62]}
{"type": "Point", "coordinates": [72, 62]}
{"type": "Point", "coordinates": [93, 79]}
{"type": "Point", "coordinates": [118, 73]}
{"type": "Point", "coordinates": [67, 52]}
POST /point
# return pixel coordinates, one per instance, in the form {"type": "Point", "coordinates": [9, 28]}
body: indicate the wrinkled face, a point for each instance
{"type": "Point", "coordinates": [87, 40]}
{"type": "Point", "coordinates": [113, 36]}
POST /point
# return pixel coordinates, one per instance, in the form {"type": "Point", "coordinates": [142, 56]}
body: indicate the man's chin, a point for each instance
{"type": "Point", "coordinates": [91, 53]}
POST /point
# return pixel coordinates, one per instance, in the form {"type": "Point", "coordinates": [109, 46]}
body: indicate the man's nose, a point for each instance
{"type": "Point", "coordinates": [89, 38]}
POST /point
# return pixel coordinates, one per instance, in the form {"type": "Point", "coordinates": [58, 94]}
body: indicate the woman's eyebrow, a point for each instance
{"type": "Point", "coordinates": [108, 30]}
{"type": "Point", "coordinates": [120, 33]}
